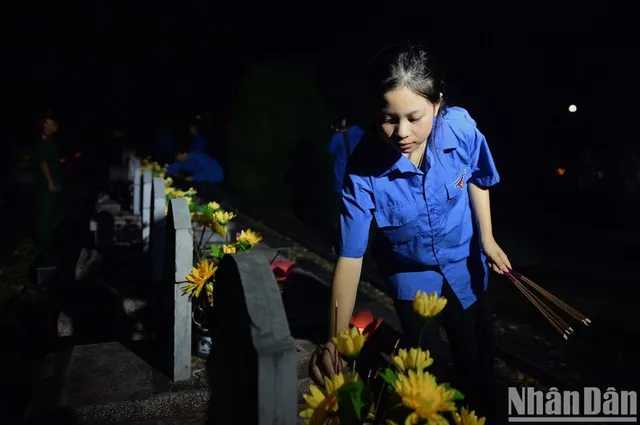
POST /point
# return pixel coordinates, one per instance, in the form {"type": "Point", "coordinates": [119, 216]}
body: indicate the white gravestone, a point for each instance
{"type": "Point", "coordinates": [159, 201]}
{"type": "Point", "coordinates": [179, 256]}
{"type": "Point", "coordinates": [137, 179]}
{"type": "Point", "coordinates": [147, 182]}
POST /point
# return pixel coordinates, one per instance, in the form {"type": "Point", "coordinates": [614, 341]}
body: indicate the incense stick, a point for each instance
{"type": "Point", "coordinates": [570, 310]}
{"type": "Point", "coordinates": [526, 285]}
{"type": "Point", "coordinates": [549, 314]}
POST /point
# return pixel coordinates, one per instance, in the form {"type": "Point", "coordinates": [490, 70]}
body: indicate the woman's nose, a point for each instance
{"type": "Point", "coordinates": [403, 129]}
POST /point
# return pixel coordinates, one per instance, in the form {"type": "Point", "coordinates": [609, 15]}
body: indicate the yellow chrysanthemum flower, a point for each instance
{"type": "Point", "coordinates": [249, 237]}
{"type": "Point", "coordinates": [214, 206]}
{"type": "Point", "coordinates": [349, 342]}
{"type": "Point", "coordinates": [321, 407]}
{"type": "Point", "coordinates": [428, 305]}
{"type": "Point", "coordinates": [198, 278]}
{"type": "Point", "coordinates": [467, 417]}
{"type": "Point", "coordinates": [191, 192]}
{"type": "Point", "coordinates": [168, 182]}
{"type": "Point", "coordinates": [219, 228]}
{"type": "Point", "coordinates": [420, 392]}
{"type": "Point", "coordinates": [229, 249]}
{"type": "Point", "coordinates": [177, 193]}
{"type": "Point", "coordinates": [223, 216]}
{"type": "Point", "coordinates": [414, 359]}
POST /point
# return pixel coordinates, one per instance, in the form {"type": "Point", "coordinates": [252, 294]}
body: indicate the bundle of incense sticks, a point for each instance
{"type": "Point", "coordinates": [537, 295]}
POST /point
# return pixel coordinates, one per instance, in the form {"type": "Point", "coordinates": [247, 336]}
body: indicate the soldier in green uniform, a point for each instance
{"type": "Point", "coordinates": [47, 182]}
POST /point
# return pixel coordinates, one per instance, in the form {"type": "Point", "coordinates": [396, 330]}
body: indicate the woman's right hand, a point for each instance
{"type": "Point", "coordinates": [323, 363]}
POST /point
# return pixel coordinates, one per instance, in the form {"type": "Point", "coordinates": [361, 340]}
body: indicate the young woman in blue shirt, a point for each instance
{"type": "Point", "coordinates": [424, 178]}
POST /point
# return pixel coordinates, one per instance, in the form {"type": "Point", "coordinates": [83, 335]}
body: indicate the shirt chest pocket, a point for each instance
{"type": "Point", "coordinates": [398, 225]}
{"type": "Point", "coordinates": [456, 185]}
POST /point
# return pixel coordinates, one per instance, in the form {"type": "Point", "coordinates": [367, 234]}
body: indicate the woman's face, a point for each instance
{"type": "Point", "coordinates": [407, 119]}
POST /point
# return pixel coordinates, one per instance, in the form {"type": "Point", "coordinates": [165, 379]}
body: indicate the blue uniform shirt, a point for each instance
{"type": "Point", "coordinates": [426, 229]}
{"type": "Point", "coordinates": [341, 152]}
{"type": "Point", "coordinates": [201, 166]}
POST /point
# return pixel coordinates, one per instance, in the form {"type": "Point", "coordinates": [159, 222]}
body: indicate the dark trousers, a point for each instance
{"type": "Point", "coordinates": [47, 213]}
{"type": "Point", "coordinates": [470, 335]}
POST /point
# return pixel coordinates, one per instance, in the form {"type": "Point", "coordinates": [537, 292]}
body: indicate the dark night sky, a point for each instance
{"type": "Point", "coordinates": [517, 69]}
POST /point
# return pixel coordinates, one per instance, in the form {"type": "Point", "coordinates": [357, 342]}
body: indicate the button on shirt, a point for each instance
{"type": "Point", "coordinates": [426, 229]}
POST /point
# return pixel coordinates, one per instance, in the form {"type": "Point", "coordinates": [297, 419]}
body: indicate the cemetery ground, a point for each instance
{"type": "Point", "coordinates": [530, 352]}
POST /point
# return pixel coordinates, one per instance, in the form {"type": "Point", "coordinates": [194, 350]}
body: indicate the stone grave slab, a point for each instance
{"type": "Point", "coordinates": [259, 369]}
{"type": "Point", "coordinates": [104, 373]}
{"type": "Point", "coordinates": [147, 181]}
{"type": "Point", "coordinates": [179, 262]}
{"type": "Point", "coordinates": [158, 234]}
{"type": "Point", "coordinates": [136, 180]}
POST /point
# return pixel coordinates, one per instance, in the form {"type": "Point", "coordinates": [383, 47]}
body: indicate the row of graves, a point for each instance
{"type": "Point", "coordinates": [141, 336]}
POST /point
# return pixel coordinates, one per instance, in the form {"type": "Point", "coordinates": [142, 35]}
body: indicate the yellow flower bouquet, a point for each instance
{"type": "Point", "coordinates": [413, 396]}
{"type": "Point", "coordinates": [157, 170]}
{"type": "Point", "coordinates": [209, 216]}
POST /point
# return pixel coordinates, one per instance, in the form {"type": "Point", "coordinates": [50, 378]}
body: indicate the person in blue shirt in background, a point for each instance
{"type": "Point", "coordinates": [198, 170]}
{"type": "Point", "coordinates": [424, 178]}
{"type": "Point", "coordinates": [195, 167]}
{"type": "Point", "coordinates": [341, 146]}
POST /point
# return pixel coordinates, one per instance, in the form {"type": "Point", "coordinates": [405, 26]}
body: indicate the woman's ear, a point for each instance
{"type": "Point", "coordinates": [437, 108]}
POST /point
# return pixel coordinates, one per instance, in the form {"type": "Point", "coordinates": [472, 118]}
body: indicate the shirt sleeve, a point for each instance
{"type": "Point", "coordinates": [356, 215]}
{"type": "Point", "coordinates": [173, 169]}
{"type": "Point", "coordinates": [212, 173]}
{"type": "Point", "coordinates": [483, 168]}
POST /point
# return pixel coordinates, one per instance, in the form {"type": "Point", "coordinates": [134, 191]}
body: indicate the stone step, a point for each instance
{"type": "Point", "coordinates": [163, 408]}
{"type": "Point", "coordinates": [108, 384]}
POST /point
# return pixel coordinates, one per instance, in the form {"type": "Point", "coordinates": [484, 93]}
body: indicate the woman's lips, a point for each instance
{"type": "Point", "coordinates": [405, 145]}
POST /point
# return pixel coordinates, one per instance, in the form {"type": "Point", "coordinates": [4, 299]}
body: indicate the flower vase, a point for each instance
{"type": "Point", "coordinates": [202, 336]}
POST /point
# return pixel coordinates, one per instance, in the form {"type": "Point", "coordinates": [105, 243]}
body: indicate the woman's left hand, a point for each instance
{"type": "Point", "coordinates": [497, 259]}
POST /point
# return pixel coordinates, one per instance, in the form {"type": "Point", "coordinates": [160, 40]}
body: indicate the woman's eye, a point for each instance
{"type": "Point", "coordinates": [415, 119]}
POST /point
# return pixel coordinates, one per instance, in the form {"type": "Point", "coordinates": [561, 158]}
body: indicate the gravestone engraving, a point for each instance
{"type": "Point", "coordinates": [157, 237]}
{"type": "Point", "coordinates": [147, 181]}
{"type": "Point", "coordinates": [179, 257]}
{"type": "Point", "coordinates": [253, 356]}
